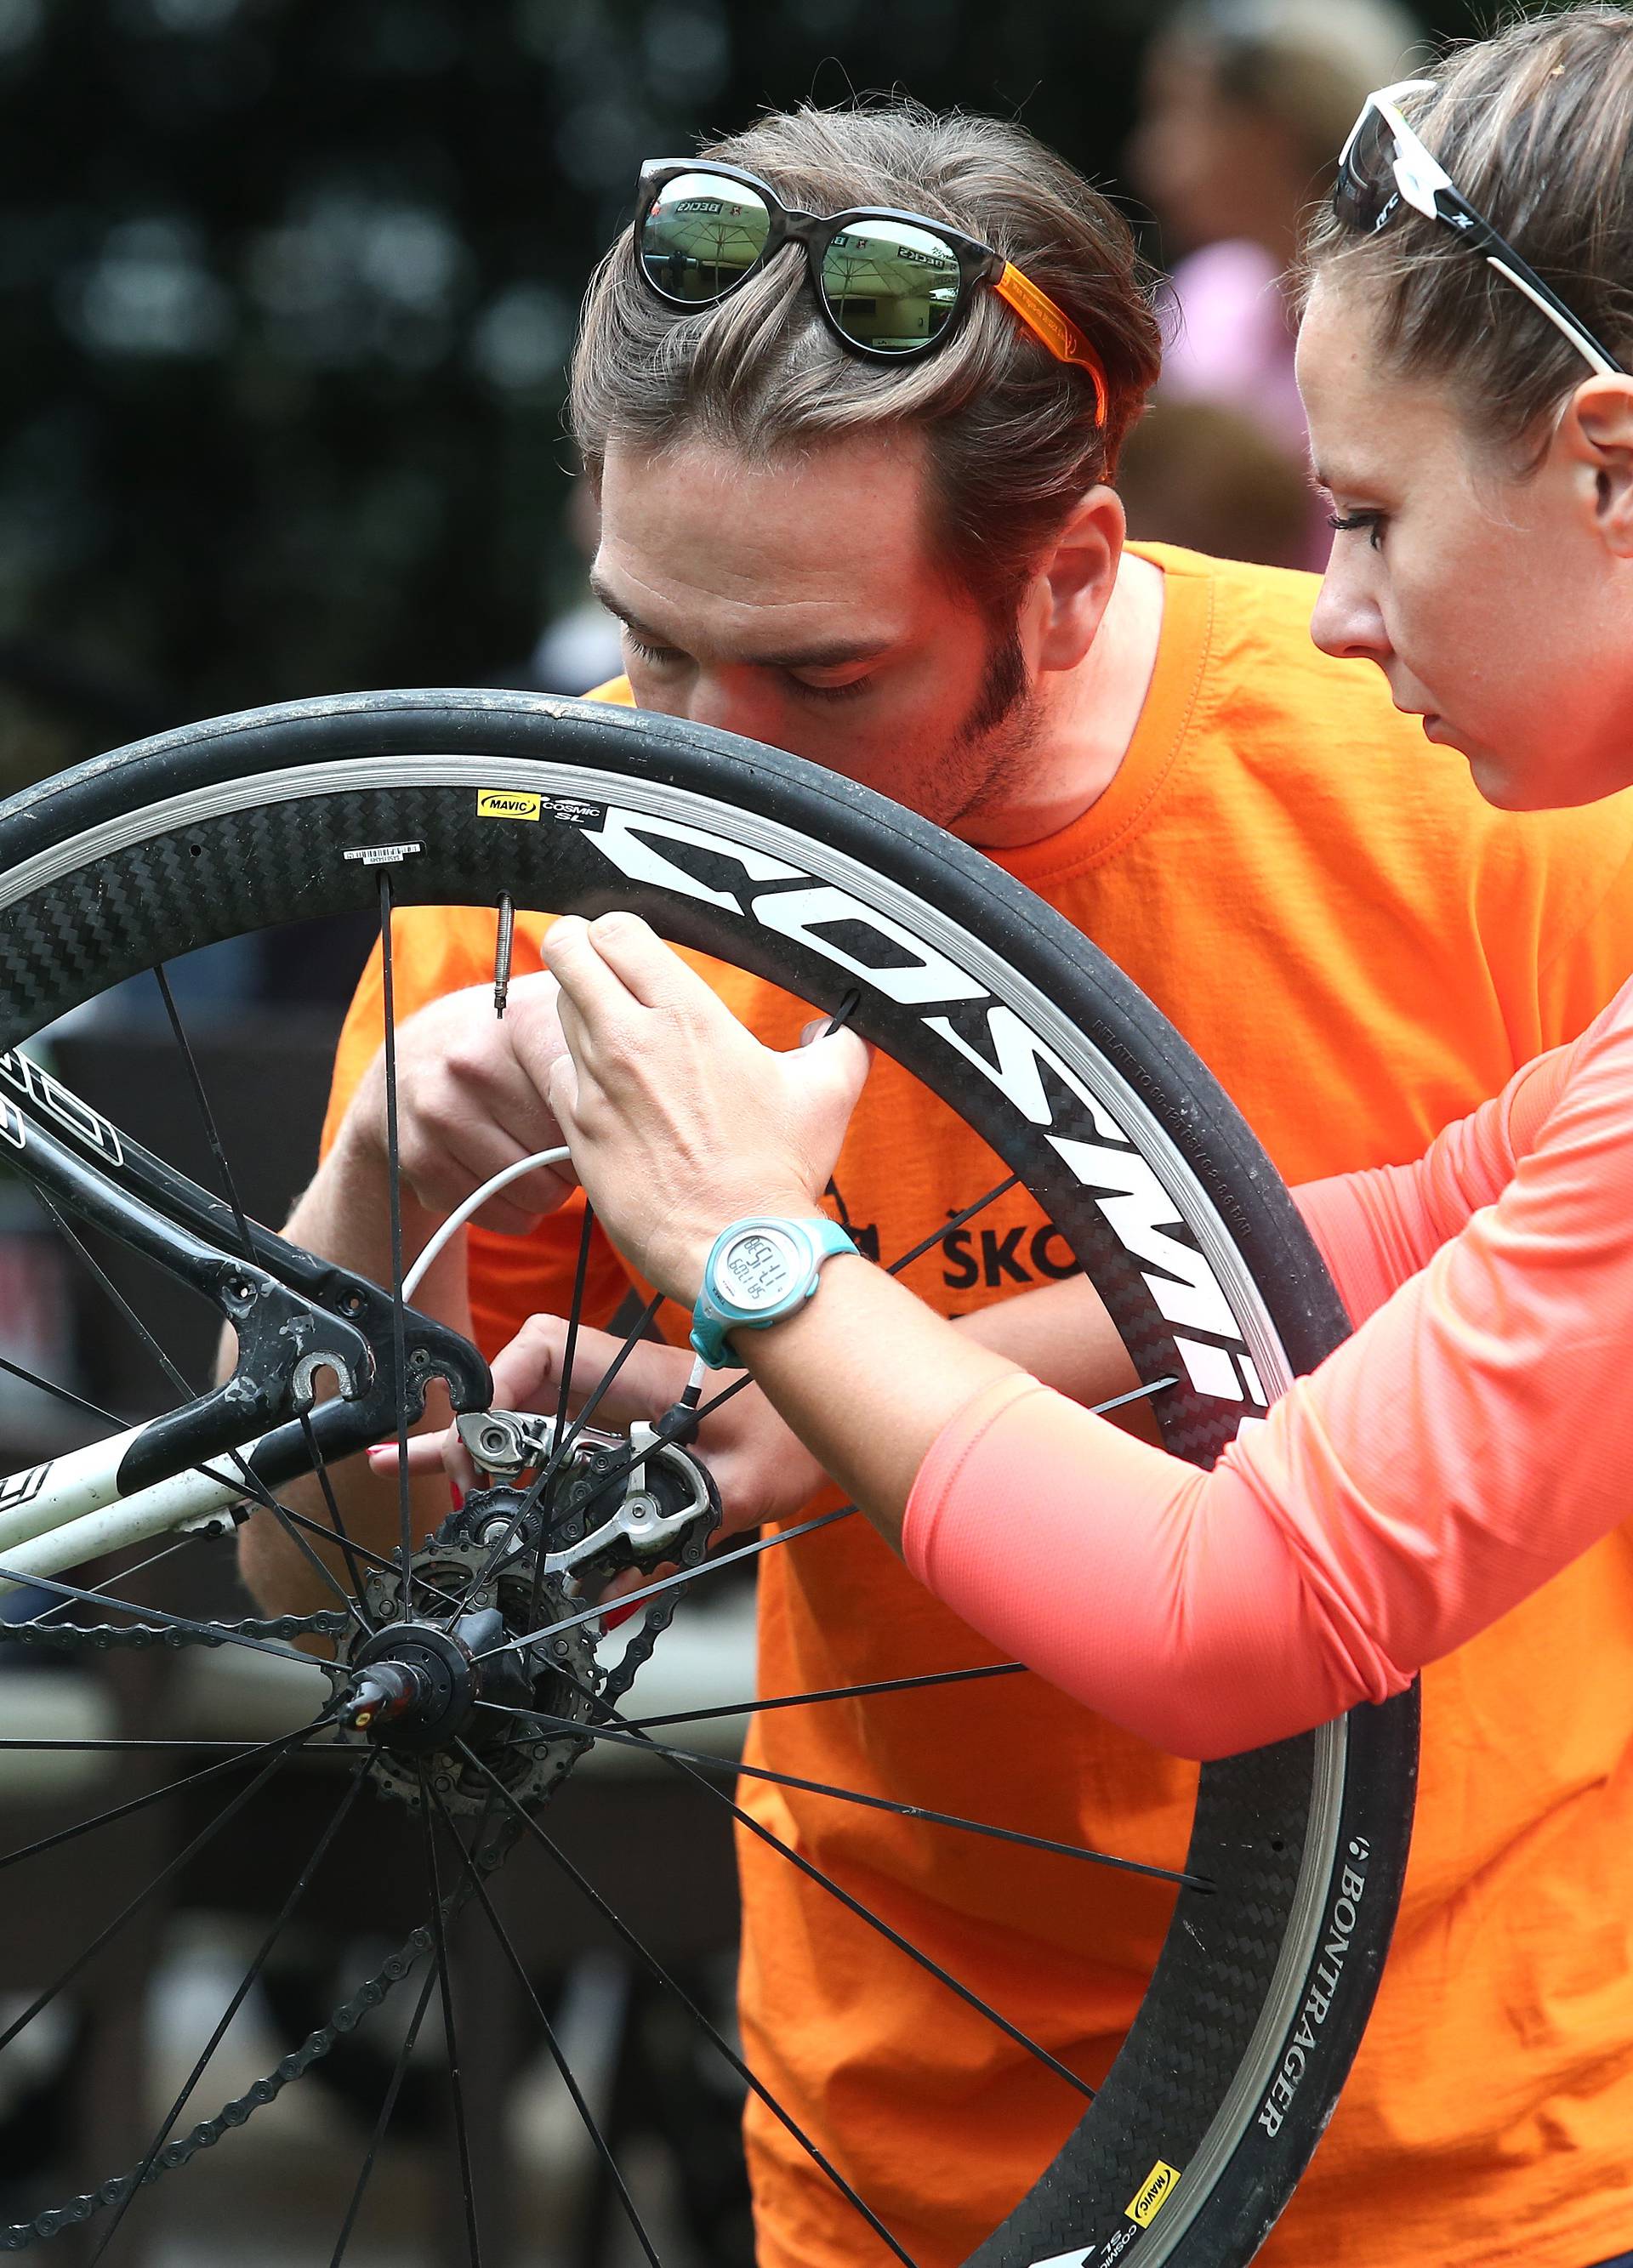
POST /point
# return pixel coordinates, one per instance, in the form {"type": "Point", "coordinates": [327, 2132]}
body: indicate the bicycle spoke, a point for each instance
{"type": "Point", "coordinates": [574, 1316]}
{"type": "Point", "coordinates": [668, 1582]}
{"type": "Point", "coordinates": [177, 1543]}
{"type": "Point", "coordinates": [564, 1446]}
{"type": "Point", "coordinates": [394, 1188]}
{"type": "Point", "coordinates": [624, 1733]}
{"type": "Point", "coordinates": [825, 1693]}
{"type": "Point", "coordinates": [388, 2103]}
{"type": "Point", "coordinates": [100, 1274]}
{"type": "Point", "coordinates": [151, 1795]}
{"type": "Point", "coordinates": [462, 2135]}
{"type": "Point", "coordinates": [61, 1393]}
{"type": "Point", "coordinates": [241, 1748]}
{"type": "Point", "coordinates": [928, 1243]}
{"type": "Point", "coordinates": [365, 1765]}
{"type": "Point", "coordinates": [673, 1985]}
{"type": "Point", "coordinates": [564, 1443]}
{"type": "Point", "coordinates": [205, 1835]}
{"type": "Point", "coordinates": [320, 1465]}
{"type": "Point", "coordinates": [813, 1873]}
{"type": "Point", "coordinates": [518, 1967]}
{"type": "Point", "coordinates": [373, 1559]}
{"type": "Point", "coordinates": [252, 1484]}
{"type": "Point", "coordinates": [229, 1187]}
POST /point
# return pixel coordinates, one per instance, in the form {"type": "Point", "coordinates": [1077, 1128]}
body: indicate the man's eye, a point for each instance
{"type": "Point", "coordinates": [831, 692]}
{"type": "Point", "coordinates": [658, 656]}
{"type": "Point", "coordinates": [1344, 523]}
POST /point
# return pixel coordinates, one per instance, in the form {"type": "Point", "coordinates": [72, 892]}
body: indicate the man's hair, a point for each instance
{"type": "Point", "coordinates": [1010, 432]}
{"type": "Point", "coordinates": [1535, 129]}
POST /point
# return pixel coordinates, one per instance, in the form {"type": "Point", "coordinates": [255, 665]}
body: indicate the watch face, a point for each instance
{"type": "Point", "coordinates": [759, 1268]}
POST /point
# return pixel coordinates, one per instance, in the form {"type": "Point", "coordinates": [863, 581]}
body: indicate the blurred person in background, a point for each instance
{"type": "Point", "coordinates": [582, 646]}
{"type": "Point", "coordinates": [1242, 107]}
{"type": "Point", "coordinates": [916, 574]}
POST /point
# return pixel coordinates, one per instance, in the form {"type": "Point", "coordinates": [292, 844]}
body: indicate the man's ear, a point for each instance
{"type": "Point", "coordinates": [1597, 431]}
{"type": "Point", "coordinates": [1078, 578]}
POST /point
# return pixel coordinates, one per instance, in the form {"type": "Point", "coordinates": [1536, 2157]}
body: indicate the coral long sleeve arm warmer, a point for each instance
{"type": "Point", "coordinates": [1463, 1446]}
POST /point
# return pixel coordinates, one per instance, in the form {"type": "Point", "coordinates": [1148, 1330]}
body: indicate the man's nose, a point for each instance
{"type": "Point", "coordinates": [735, 701]}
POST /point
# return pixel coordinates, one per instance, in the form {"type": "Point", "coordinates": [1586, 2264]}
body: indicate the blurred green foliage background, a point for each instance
{"type": "Point", "coordinates": [286, 288]}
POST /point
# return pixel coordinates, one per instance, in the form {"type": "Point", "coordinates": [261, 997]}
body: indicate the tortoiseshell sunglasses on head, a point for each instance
{"type": "Point", "coordinates": [889, 285]}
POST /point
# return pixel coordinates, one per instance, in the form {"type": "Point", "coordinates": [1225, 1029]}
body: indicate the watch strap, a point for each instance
{"type": "Point", "coordinates": [716, 1315]}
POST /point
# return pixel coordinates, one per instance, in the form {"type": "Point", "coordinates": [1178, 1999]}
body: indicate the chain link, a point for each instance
{"type": "Point", "coordinates": [18, 2235]}
{"type": "Point", "coordinates": [104, 1637]}
{"type": "Point", "coordinates": [493, 1849]}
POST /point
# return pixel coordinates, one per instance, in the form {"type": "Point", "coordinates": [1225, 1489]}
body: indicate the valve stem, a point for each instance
{"type": "Point", "coordinates": [503, 948]}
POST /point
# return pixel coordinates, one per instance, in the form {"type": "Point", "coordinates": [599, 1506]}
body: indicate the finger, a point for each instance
{"type": "Point", "coordinates": [527, 1374]}
{"type": "Point", "coordinates": [427, 1453]}
{"type": "Point", "coordinates": [515, 1209]}
{"type": "Point", "coordinates": [832, 1073]}
{"type": "Point", "coordinates": [563, 1102]}
{"type": "Point", "coordinates": [589, 984]}
{"type": "Point", "coordinates": [824, 1027]}
{"type": "Point", "coordinates": [650, 970]}
{"type": "Point", "coordinates": [424, 1456]}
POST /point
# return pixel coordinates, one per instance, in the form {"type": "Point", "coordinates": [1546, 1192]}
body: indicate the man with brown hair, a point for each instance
{"type": "Point", "coordinates": [876, 526]}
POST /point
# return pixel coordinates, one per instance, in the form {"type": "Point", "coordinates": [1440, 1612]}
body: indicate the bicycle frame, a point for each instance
{"type": "Point", "coordinates": [296, 1316]}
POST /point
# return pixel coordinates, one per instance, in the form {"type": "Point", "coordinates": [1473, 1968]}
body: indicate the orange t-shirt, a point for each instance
{"type": "Point", "coordinates": [1362, 951]}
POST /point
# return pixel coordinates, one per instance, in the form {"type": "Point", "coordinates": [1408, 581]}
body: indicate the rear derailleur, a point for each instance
{"type": "Point", "coordinates": [489, 1668]}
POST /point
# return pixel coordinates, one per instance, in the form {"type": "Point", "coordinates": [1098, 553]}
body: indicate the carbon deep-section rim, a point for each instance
{"type": "Point", "coordinates": [1227, 2079]}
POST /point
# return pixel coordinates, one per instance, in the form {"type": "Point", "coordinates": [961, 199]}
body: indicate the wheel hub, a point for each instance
{"type": "Point", "coordinates": [415, 1687]}
{"type": "Point", "coordinates": [450, 1704]}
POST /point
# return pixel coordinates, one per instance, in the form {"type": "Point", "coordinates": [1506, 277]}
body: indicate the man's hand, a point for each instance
{"type": "Point", "coordinates": [761, 1470]}
{"type": "Point", "coordinates": [472, 1089]}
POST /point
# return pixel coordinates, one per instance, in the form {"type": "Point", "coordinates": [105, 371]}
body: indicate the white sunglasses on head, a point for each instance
{"type": "Point", "coordinates": [1384, 165]}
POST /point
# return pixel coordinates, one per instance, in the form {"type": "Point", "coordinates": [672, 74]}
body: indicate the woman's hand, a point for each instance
{"type": "Point", "coordinates": [761, 1470]}
{"type": "Point", "coordinates": [679, 1121]}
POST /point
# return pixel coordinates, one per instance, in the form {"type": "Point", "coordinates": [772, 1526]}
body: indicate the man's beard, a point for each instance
{"type": "Point", "coordinates": [991, 750]}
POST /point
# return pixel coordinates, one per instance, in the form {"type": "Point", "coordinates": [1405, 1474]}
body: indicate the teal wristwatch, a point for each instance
{"type": "Point", "coordinates": [758, 1272]}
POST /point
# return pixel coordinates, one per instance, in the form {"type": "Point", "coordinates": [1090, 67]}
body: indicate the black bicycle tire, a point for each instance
{"type": "Point", "coordinates": [238, 822]}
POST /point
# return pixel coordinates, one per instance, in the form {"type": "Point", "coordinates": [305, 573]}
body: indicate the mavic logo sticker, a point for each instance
{"type": "Point", "coordinates": [504, 803]}
{"type": "Point", "coordinates": [1152, 2194]}
{"type": "Point", "coordinates": [990, 1038]}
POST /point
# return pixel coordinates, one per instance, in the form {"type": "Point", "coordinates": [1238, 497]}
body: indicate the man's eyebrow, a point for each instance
{"type": "Point", "coordinates": [833, 655]}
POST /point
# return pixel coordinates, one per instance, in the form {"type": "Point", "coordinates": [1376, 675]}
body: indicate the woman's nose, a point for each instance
{"type": "Point", "coordinates": [1348, 622]}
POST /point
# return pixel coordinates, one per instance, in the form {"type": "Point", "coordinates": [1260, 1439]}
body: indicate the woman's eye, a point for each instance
{"type": "Point", "coordinates": [1343, 523]}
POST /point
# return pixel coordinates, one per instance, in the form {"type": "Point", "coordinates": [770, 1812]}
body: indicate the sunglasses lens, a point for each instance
{"type": "Point", "coordinates": [1366, 192]}
{"type": "Point", "coordinates": [702, 235]}
{"type": "Point", "coordinates": [889, 286]}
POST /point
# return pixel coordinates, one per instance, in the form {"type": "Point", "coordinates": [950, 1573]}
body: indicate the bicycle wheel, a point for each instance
{"type": "Point", "coordinates": [1285, 1904]}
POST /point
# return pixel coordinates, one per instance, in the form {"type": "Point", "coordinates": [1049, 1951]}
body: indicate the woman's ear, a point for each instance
{"type": "Point", "coordinates": [1597, 431]}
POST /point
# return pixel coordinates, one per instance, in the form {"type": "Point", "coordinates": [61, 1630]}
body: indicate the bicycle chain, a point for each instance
{"type": "Point", "coordinates": [71, 1637]}
{"type": "Point", "coordinates": [16, 2236]}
